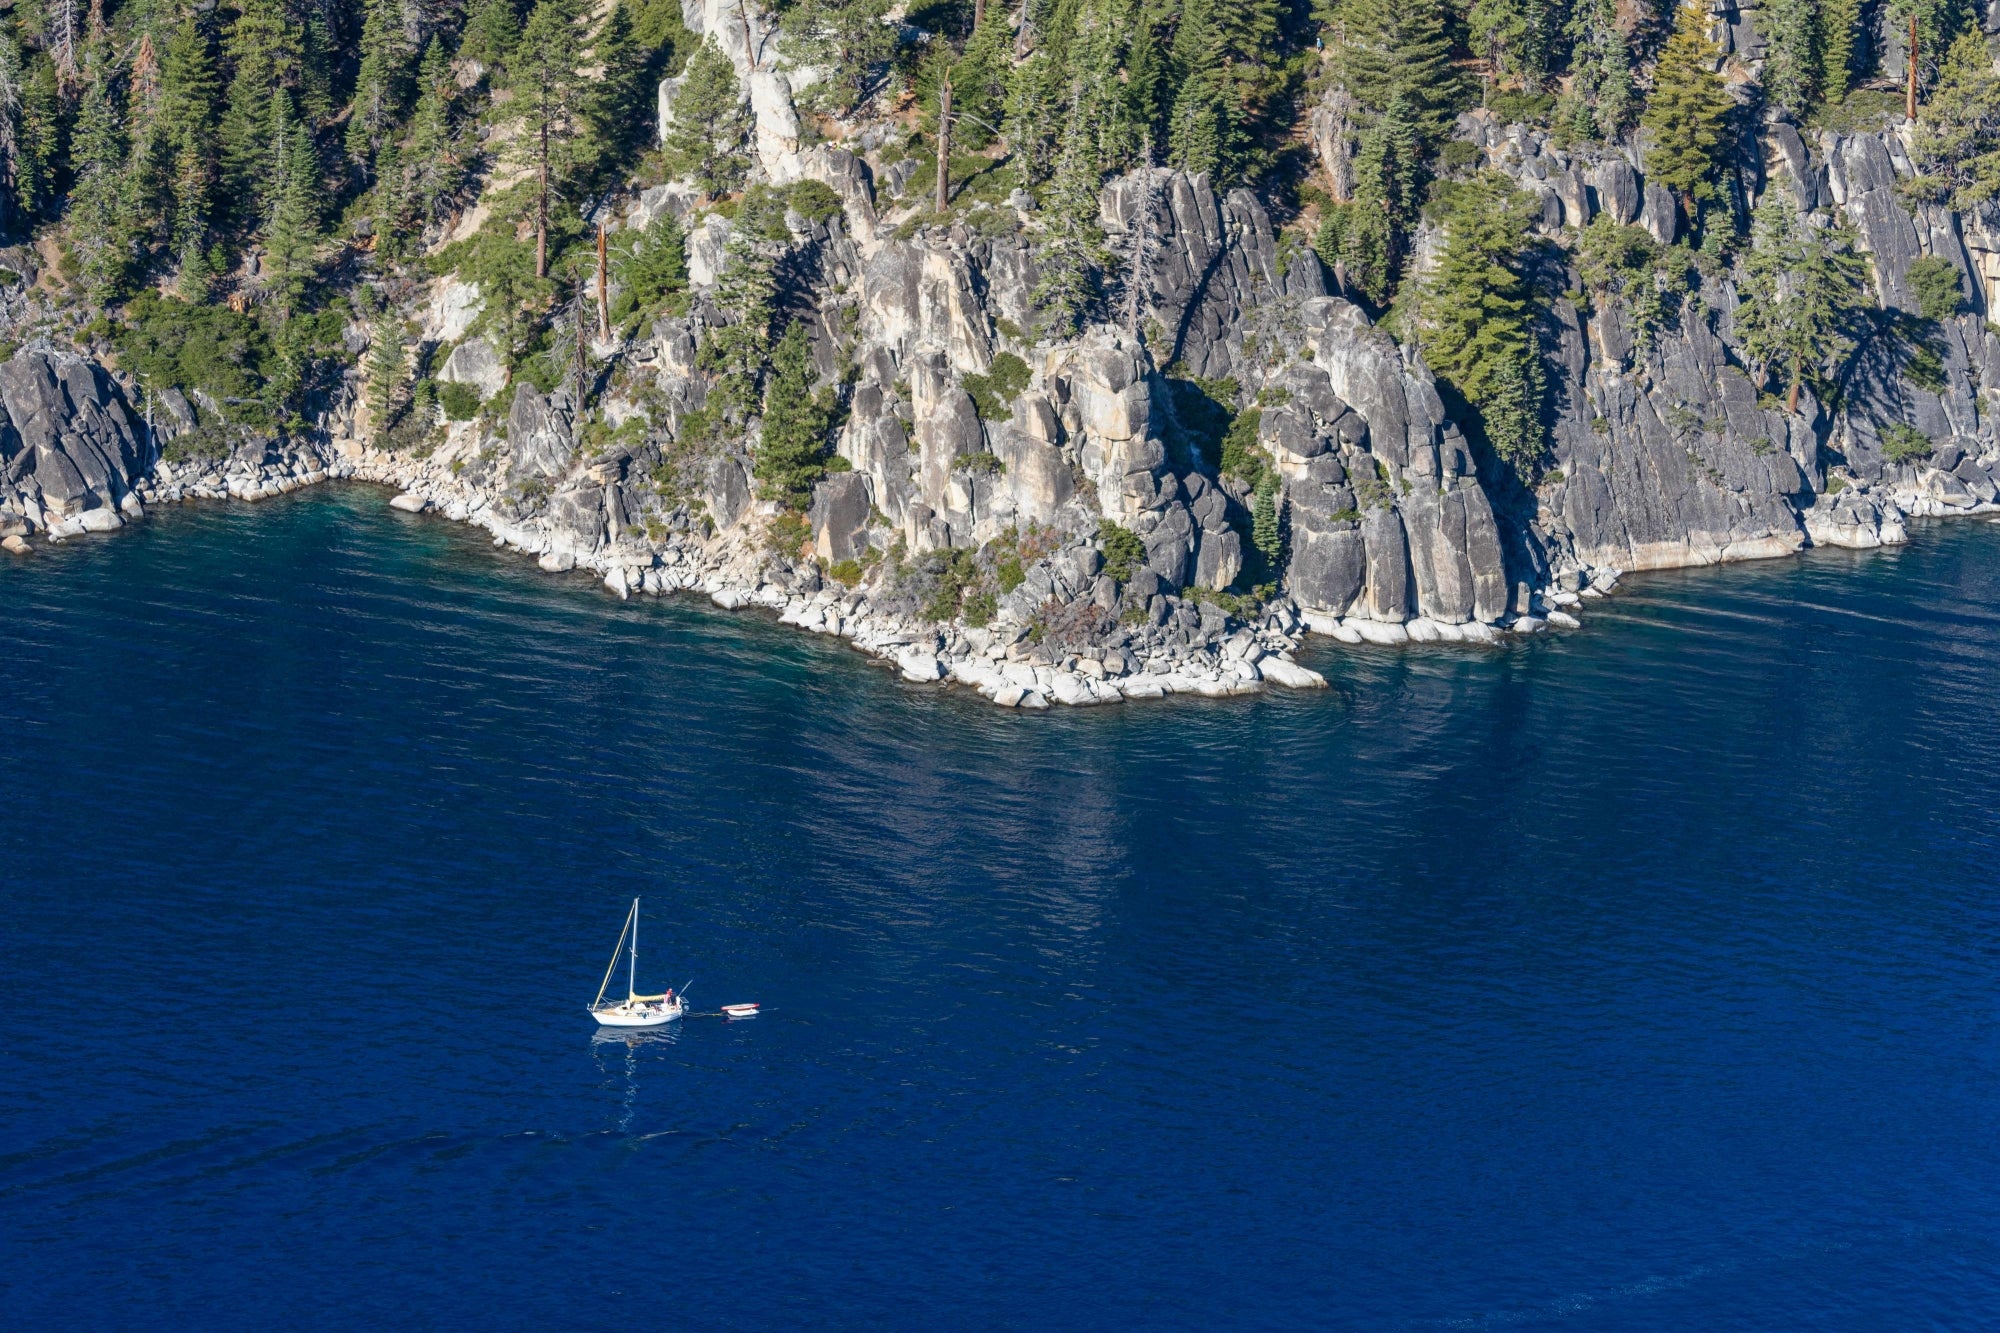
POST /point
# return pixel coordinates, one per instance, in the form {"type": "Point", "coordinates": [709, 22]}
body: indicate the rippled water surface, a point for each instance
{"type": "Point", "coordinates": [1643, 978]}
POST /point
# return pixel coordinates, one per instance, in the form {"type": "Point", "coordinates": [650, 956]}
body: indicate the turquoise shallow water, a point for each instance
{"type": "Point", "coordinates": [1642, 978]}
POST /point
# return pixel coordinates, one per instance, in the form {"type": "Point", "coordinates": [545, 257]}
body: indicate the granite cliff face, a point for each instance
{"type": "Point", "coordinates": [973, 448]}
{"type": "Point", "coordinates": [71, 458]}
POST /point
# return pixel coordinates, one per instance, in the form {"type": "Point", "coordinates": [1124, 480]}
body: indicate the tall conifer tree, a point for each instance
{"type": "Point", "coordinates": [1477, 327]}
{"type": "Point", "coordinates": [1803, 289]}
{"type": "Point", "coordinates": [709, 128]}
{"type": "Point", "coordinates": [379, 84]}
{"type": "Point", "coordinates": [1792, 57]}
{"type": "Point", "coordinates": [791, 449]}
{"type": "Point", "coordinates": [186, 128]}
{"type": "Point", "coordinates": [262, 53]}
{"type": "Point", "coordinates": [549, 93]}
{"type": "Point", "coordinates": [437, 171]}
{"type": "Point", "coordinates": [1071, 247]}
{"type": "Point", "coordinates": [1386, 47]}
{"type": "Point", "coordinates": [1687, 117]}
{"type": "Point", "coordinates": [1840, 23]}
{"type": "Point", "coordinates": [97, 203]}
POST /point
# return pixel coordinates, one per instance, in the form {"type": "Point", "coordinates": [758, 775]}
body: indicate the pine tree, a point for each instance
{"type": "Point", "coordinates": [1201, 134]}
{"type": "Point", "coordinates": [550, 94]}
{"type": "Point", "coordinates": [1228, 67]}
{"type": "Point", "coordinates": [791, 451]}
{"type": "Point", "coordinates": [845, 39]}
{"type": "Point", "coordinates": [649, 265]}
{"type": "Point", "coordinates": [147, 200]}
{"type": "Point", "coordinates": [97, 211]}
{"type": "Point", "coordinates": [1145, 79]}
{"type": "Point", "coordinates": [1600, 96]}
{"type": "Point", "coordinates": [1071, 247]}
{"type": "Point", "coordinates": [1037, 91]}
{"type": "Point", "coordinates": [186, 129]}
{"type": "Point", "coordinates": [1383, 48]}
{"type": "Point", "coordinates": [621, 90]}
{"type": "Point", "coordinates": [1363, 240]}
{"type": "Point", "coordinates": [1957, 139]}
{"type": "Point", "coordinates": [738, 350]}
{"type": "Point", "coordinates": [1687, 118]}
{"type": "Point", "coordinates": [322, 61]}
{"type": "Point", "coordinates": [293, 234]}
{"type": "Point", "coordinates": [261, 50]}
{"type": "Point", "coordinates": [1518, 37]}
{"type": "Point", "coordinates": [388, 365]}
{"type": "Point", "coordinates": [379, 84]}
{"type": "Point", "coordinates": [1477, 313]}
{"type": "Point", "coordinates": [41, 137]}
{"type": "Point", "coordinates": [1792, 61]}
{"type": "Point", "coordinates": [492, 30]}
{"type": "Point", "coordinates": [12, 211]}
{"type": "Point", "coordinates": [1802, 291]}
{"type": "Point", "coordinates": [979, 81]}
{"type": "Point", "coordinates": [710, 127]}
{"type": "Point", "coordinates": [1266, 528]}
{"type": "Point", "coordinates": [1840, 20]}
{"type": "Point", "coordinates": [437, 171]}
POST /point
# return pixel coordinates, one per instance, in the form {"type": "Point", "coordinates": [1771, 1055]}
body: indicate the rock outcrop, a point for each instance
{"type": "Point", "coordinates": [71, 455]}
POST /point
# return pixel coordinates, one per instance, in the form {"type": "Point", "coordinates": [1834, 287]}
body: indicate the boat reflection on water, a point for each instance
{"type": "Point", "coordinates": [633, 1040]}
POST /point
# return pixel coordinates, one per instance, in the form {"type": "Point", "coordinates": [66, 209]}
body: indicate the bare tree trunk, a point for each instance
{"type": "Point", "coordinates": [749, 42]}
{"type": "Point", "coordinates": [542, 210]}
{"type": "Point", "coordinates": [1910, 91]}
{"type": "Point", "coordinates": [1792, 398]}
{"type": "Point", "coordinates": [978, 13]}
{"type": "Point", "coordinates": [603, 292]}
{"type": "Point", "coordinates": [944, 146]}
{"type": "Point", "coordinates": [582, 363]}
{"type": "Point", "coordinates": [64, 37]}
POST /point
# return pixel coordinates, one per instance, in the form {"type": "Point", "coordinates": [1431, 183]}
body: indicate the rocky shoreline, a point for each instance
{"type": "Point", "coordinates": [999, 663]}
{"type": "Point", "coordinates": [1221, 658]}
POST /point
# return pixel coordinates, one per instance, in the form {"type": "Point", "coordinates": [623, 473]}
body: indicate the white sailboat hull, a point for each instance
{"type": "Point", "coordinates": [650, 1014]}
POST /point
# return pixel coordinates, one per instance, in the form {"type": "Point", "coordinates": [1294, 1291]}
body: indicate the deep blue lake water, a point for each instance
{"type": "Point", "coordinates": [1641, 978]}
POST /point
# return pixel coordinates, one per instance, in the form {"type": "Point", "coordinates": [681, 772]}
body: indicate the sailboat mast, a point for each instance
{"type": "Point", "coordinates": [611, 967]}
{"type": "Point", "coordinates": [632, 977]}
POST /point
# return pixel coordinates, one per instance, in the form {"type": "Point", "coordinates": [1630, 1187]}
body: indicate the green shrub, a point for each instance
{"type": "Point", "coordinates": [980, 608]}
{"type": "Point", "coordinates": [1904, 443]}
{"type": "Point", "coordinates": [1934, 279]}
{"type": "Point", "coordinates": [761, 213]}
{"type": "Point", "coordinates": [994, 392]}
{"type": "Point", "coordinates": [1863, 111]}
{"type": "Point", "coordinates": [847, 572]}
{"type": "Point", "coordinates": [788, 533]}
{"type": "Point", "coordinates": [1241, 458]}
{"type": "Point", "coordinates": [1123, 551]}
{"type": "Point", "coordinates": [815, 201]}
{"type": "Point", "coordinates": [210, 442]}
{"type": "Point", "coordinates": [1513, 105]}
{"type": "Point", "coordinates": [1457, 155]}
{"type": "Point", "coordinates": [459, 401]}
{"type": "Point", "coordinates": [1008, 573]}
{"type": "Point", "coordinates": [949, 575]}
{"type": "Point", "coordinates": [225, 354]}
{"type": "Point", "coordinates": [651, 266]}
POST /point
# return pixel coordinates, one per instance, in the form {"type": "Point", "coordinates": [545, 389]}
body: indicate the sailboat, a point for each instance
{"type": "Point", "coordinates": [635, 1010]}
